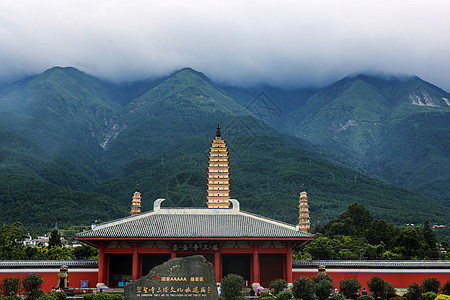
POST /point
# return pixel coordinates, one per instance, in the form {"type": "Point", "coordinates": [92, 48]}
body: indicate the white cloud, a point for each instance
{"type": "Point", "coordinates": [280, 42]}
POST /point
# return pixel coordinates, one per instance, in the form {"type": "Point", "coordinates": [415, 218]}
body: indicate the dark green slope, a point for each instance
{"type": "Point", "coordinates": [39, 205]}
{"type": "Point", "coordinates": [59, 109]}
{"type": "Point", "coordinates": [19, 155]}
{"type": "Point", "coordinates": [393, 128]}
{"type": "Point", "coordinates": [185, 104]}
{"type": "Point", "coordinates": [266, 177]}
{"type": "Point", "coordinates": [63, 110]}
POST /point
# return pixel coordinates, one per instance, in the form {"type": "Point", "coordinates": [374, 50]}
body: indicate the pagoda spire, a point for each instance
{"type": "Point", "coordinates": [303, 212]}
{"type": "Point", "coordinates": [218, 187]}
{"type": "Point", "coordinates": [136, 202]}
{"type": "Point", "coordinates": [218, 131]}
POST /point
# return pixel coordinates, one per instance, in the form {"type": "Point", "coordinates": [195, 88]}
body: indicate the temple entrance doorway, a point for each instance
{"type": "Point", "coordinates": [120, 268]}
{"type": "Point", "coordinates": [237, 264]}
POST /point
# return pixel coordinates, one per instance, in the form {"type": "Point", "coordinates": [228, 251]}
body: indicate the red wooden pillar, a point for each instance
{"type": "Point", "coordinates": [101, 264]}
{"type": "Point", "coordinates": [217, 266]}
{"type": "Point", "coordinates": [135, 269]}
{"type": "Point", "coordinates": [288, 263]}
{"type": "Point", "coordinates": [173, 255]}
{"type": "Point", "coordinates": [256, 277]}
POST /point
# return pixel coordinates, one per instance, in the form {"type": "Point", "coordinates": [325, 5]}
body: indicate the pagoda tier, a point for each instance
{"type": "Point", "coordinates": [303, 212]}
{"type": "Point", "coordinates": [218, 187]}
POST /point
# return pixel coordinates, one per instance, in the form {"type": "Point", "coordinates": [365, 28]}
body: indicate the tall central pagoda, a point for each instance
{"type": "Point", "coordinates": [218, 173]}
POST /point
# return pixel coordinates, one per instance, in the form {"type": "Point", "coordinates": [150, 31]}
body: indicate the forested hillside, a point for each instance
{"type": "Point", "coordinates": [73, 149]}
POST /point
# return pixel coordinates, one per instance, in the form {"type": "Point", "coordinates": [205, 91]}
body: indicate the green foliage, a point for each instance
{"type": "Point", "coordinates": [350, 287]}
{"type": "Point", "coordinates": [429, 296]}
{"type": "Point", "coordinates": [232, 286]}
{"type": "Point", "coordinates": [53, 296]}
{"type": "Point", "coordinates": [332, 241]}
{"type": "Point", "coordinates": [323, 286]}
{"type": "Point", "coordinates": [103, 296]}
{"type": "Point", "coordinates": [11, 238]}
{"type": "Point", "coordinates": [338, 297]}
{"type": "Point", "coordinates": [366, 297]}
{"type": "Point", "coordinates": [303, 288]}
{"type": "Point", "coordinates": [431, 284]}
{"type": "Point", "coordinates": [55, 239]}
{"type": "Point", "coordinates": [442, 297]}
{"type": "Point", "coordinates": [379, 287]}
{"type": "Point", "coordinates": [414, 291]}
{"type": "Point", "coordinates": [446, 288]}
{"type": "Point", "coordinates": [285, 295]}
{"type": "Point", "coordinates": [278, 285]}
{"type": "Point", "coordinates": [10, 286]}
{"type": "Point", "coordinates": [85, 252]}
{"type": "Point", "coordinates": [32, 286]}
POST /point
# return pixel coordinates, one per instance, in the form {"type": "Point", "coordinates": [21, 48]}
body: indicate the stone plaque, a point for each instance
{"type": "Point", "coordinates": [189, 277]}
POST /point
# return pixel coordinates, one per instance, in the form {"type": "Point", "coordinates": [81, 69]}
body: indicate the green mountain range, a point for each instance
{"type": "Point", "coordinates": [73, 147]}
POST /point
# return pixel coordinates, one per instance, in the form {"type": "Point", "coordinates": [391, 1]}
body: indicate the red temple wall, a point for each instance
{"type": "Point", "coordinates": [50, 276]}
{"type": "Point", "coordinates": [398, 278]}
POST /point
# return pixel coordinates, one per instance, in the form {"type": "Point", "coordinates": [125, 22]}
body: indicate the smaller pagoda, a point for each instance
{"type": "Point", "coordinates": [218, 187]}
{"type": "Point", "coordinates": [303, 212]}
{"type": "Point", "coordinates": [136, 202]}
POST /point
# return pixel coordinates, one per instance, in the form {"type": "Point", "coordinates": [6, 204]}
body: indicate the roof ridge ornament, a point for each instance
{"type": "Point", "coordinates": [157, 205]}
{"type": "Point", "coordinates": [218, 134]}
{"type": "Point", "coordinates": [236, 206]}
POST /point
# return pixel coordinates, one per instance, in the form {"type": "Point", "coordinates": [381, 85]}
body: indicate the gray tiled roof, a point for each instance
{"type": "Point", "coordinates": [5, 264]}
{"type": "Point", "coordinates": [397, 264]}
{"type": "Point", "coordinates": [195, 222]}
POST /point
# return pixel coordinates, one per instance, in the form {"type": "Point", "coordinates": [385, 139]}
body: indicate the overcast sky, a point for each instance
{"type": "Point", "coordinates": [288, 43]}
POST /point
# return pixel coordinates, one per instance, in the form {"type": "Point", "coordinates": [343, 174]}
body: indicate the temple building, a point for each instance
{"type": "Point", "coordinates": [234, 241]}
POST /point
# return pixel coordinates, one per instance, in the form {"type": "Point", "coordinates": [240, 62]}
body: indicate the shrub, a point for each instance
{"type": "Point", "coordinates": [442, 297]}
{"type": "Point", "coordinates": [53, 296]}
{"type": "Point", "coordinates": [285, 295]}
{"type": "Point", "coordinates": [266, 297]}
{"type": "Point", "coordinates": [429, 296]}
{"type": "Point", "coordinates": [88, 297]}
{"type": "Point", "coordinates": [278, 285]}
{"type": "Point", "coordinates": [446, 288]}
{"type": "Point", "coordinates": [431, 284]}
{"type": "Point", "coordinates": [414, 291]}
{"type": "Point", "coordinates": [379, 287]}
{"type": "Point", "coordinates": [398, 298]}
{"type": "Point", "coordinates": [232, 286]}
{"type": "Point", "coordinates": [10, 286]}
{"type": "Point", "coordinates": [323, 286]}
{"type": "Point", "coordinates": [350, 287]}
{"type": "Point", "coordinates": [303, 288]}
{"type": "Point", "coordinates": [32, 285]}
{"type": "Point", "coordinates": [338, 297]}
{"type": "Point", "coordinates": [365, 297]}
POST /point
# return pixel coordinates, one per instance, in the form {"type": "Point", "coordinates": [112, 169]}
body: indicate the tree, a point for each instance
{"type": "Point", "coordinates": [379, 287]}
{"type": "Point", "coordinates": [431, 284]}
{"type": "Point", "coordinates": [85, 252]}
{"type": "Point", "coordinates": [446, 288]}
{"type": "Point", "coordinates": [412, 243]}
{"type": "Point", "coordinates": [232, 286]}
{"type": "Point", "coordinates": [11, 238]}
{"type": "Point", "coordinates": [323, 286]}
{"type": "Point", "coordinates": [350, 287]}
{"type": "Point", "coordinates": [32, 285]}
{"type": "Point", "coordinates": [431, 248]}
{"type": "Point", "coordinates": [361, 217]}
{"type": "Point", "coordinates": [55, 239]}
{"type": "Point", "coordinates": [10, 286]}
{"type": "Point", "coordinates": [303, 288]}
{"type": "Point", "coordinates": [414, 291]}
{"type": "Point", "coordinates": [277, 286]}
